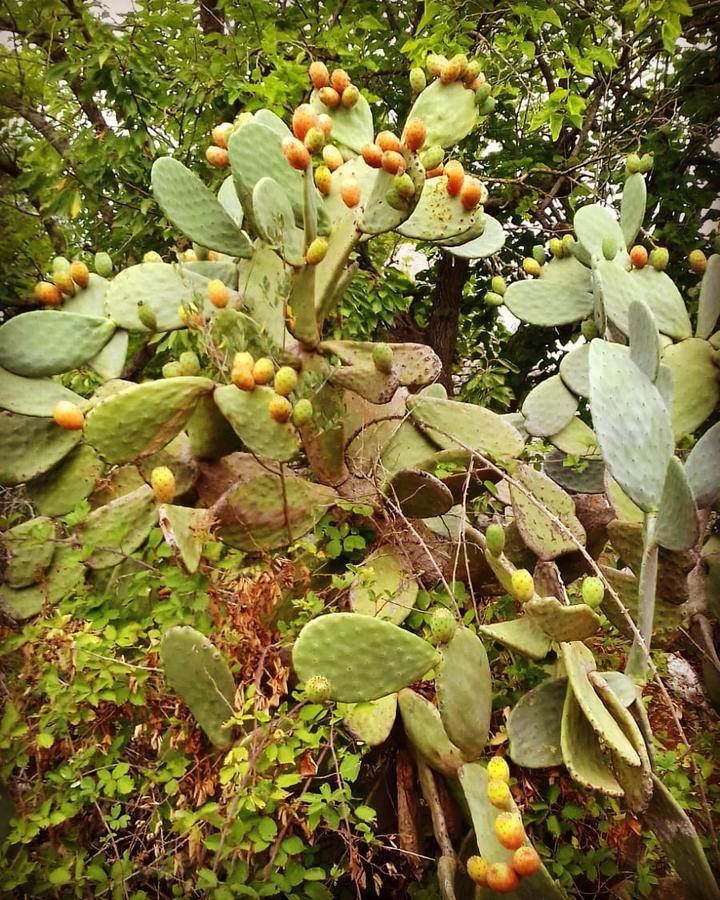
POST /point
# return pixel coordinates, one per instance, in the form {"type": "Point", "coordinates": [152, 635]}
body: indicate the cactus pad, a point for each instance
{"type": "Point", "coordinates": [593, 224]}
{"type": "Point", "coordinates": [68, 340]}
{"type": "Point", "coordinates": [58, 491]}
{"type": "Point", "coordinates": [34, 396]}
{"type": "Point", "coordinates": [363, 658]}
{"type": "Point", "coordinates": [448, 111]}
{"type": "Point", "coordinates": [577, 439]}
{"type": "Point", "coordinates": [63, 577]}
{"type": "Point", "coordinates": [533, 726]}
{"type": "Point", "coordinates": [247, 412]}
{"type": "Point", "coordinates": [575, 370]}
{"type": "Point", "coordinates": [464, 692]}
{"type": "Point", "coordinates": [352, 127]}
{"type": "Point", "coordinates": [418, 494]}
{"type": "Point", "coordinates": [365, 380]}
{"type": "Point", "coordinates": [696, 384]}
{"type": "Point", "coordinates": [548, 407]}
{"type": "Point", "coordinates": [31, 546]}
{"type": "Point", "coordinates": [582, 753]}
{"type": "Point", "coordinates": [709, 302]}
{"type": "Point", "coordinates": [644, 338]}
{"type": "Point", "coordinates": [561, 295]}
{"type": "Point", "coordinates": [110, 361]}
{"type": "Point", "coordinates": [702, 470]}
{"type": "Point", "coordinates": [89, 301]}
{"type": "Point", "coordinates": [488, 243]}
{"type": "Point", "coordinates": [30, 445]}
{"type": "Point", "coordinates": [536, 509]}
{"type": "Point", "coordinates": [228, 199]}
{"type": "Point", "coordinates": [426, 734]}
{"type": "Point", "coordinates": [677, 526]}
{"type": "Point", "coordinates": [183, 529]}
{"type": "Point", "coordinates": [275, 221]}
{"type": "Point", "coordinates": [521, 635]}
{"type": "Point", "coordinates": [416, 365]}
{"type": "Point", "coordinates": [114, 531]}
{"type": "Point", "coordinates": [589, 479]}
{"type": "Point", "coordinates": [382, 587]}
{"type": "Point", "coordinates": [632, 208]}
{"type": "Point", "coordinates": [438, 216]}
{"type": "Point", "coordinates": [197, 672]}
{"type": "Point", "coordinates": [560, 622]}
{"type": "Point", "coordinates": [371, 723]}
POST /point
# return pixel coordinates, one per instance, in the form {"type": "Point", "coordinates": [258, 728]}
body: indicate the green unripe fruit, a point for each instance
{"type": "Point", "coordinates": [659, 258]}
{"type": "Point", "coordinates": [147, 316]}
{"type": "Point", "coordinates": [285, 381]}
{"type": "Point", "coordinates": [498, 285]}
{"type": "Point", "coordinates": [593, 591]}
{"type": "Point", "coordinates": [443, 625]}
{"type": "Point", "coordinates": [633, 163]}
{"type": "Point", "coordinates": [152, 256]}
{"type": "Point", "coordinates": [395, 201]}
{"type": "Point", "coordinates": [482, 93]}
{"type": "Point", "coordinates": [61, 264]}
{"type": "Point", "coordinates": [609, 248]}
{"type": "Point", "coordinates": [495, 539]}
{"type": "Point", "coordinates": [555, 246]}
{"type": "Point", "coordinates": [589, 330]}
{"type": "Point", "coordinates": [523, 586]}
{"type": "Point", "coordinates": [417, 80]}
{"type": "Point", "coordinates": [317, 689]}
{"type": "Point", "coordinates": [472, 71]}
{"type": "Point", "coordinates": [314, 140]}
{"type": "Point", "coordinates": [538, 252]}
{"type": "Point", "coordinates": [302, 412]}
{"type": "Point", "coordinates": [487, 106]}
{"type": "Point", "coordinates": [103, 264]}
{"type": "Point", "coordinates": [697, 261]}
{"type": "Point", "coordinates": [432, 157]}
{"type": "Point", "coordinates": [404, 185]}
{"type": "Point", "coordinates": [647, 161]}
{"type": "Point", "coordinates": [171, 369]}
{"type": "Point", "coordinates": [383, 358]}
{"type": "Point", "coordinates": [531, 266]}
{"type": "Point", "coordinates": [492, 298]}
{"type": "Point", "coordinates": [189, 363]}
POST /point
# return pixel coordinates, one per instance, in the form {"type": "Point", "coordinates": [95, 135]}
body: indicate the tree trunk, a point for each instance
{"type": "Point", "coordinates": [442, 328]}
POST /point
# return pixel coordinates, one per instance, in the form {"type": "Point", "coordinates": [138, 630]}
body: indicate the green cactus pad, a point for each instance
{"type": "Point", "coordinates": [352, 127]}
{"type": "Point", "coordinates": [561, 295]}
{"type": "Point", "coordinates": [593, 224]}
{"type": "Point", "coordinates": [382, 587]}
{"type": "Point", "coordinates": [623, 687]}
{"type": "Point", "coordinates": [709, 302]}
{"type": "Point", "coordinates": [448, 111]}
{"type": "Point", "coordinates": [451, 424]}
{"type": "Point", "coordinates": [195, 210]}
{"type": "Point", "coordinates": [548, 407]}
{"type": "Point", "coordinates": [370, 723]}
{"type": "Point", "coordinates": [673, 566]}
{"type": "Point", "coordinates": [575, 370]}
{"type": "Point", "coordinates": [177, 457]}
{"type": "Point", "coordinates": [474, 782]}
{"type": "Point", "coordinates": [588, 479]}
{"type": "Point", "coordinates": [209, 432]}
{"type": "Point", "coordinates": [34, 396]}
{"type": "Point", "coordinates": [418, 494]}
{"type": "Point", "coordinates": [696, 383]}
{"type": "Point", "coordinates": [333, 269]}
{"type": "Point", "coordinates": [58, 491]}
{"type": "Point", "coordinates": [631, 422]}
{"type": "Point", "coordinates": [576, 438]}
{"type": "Point", "coordinates": [225, 270]}
{"type": "Point", "coordinates": [575, 656]}
{"type": "Point", "coordinates": [535, 519]}
{"type": "Point", "coordinates": [264, 284]}
{"type": "Point", "coordinates": [363, 450]}
{"type": "Point", "coordinates": [406, 446]}
{"type": "Point", "coordinates": [31, 546]}
{"type": "Point", "coordinates": [89, 301]}
{"type": "Point", "coordinates": [197, 672]}
{"type": "Point", "coordinates": [110, 361]}
{"type": "Point", "coordinates": [114, 531]}
{"type": "Point", "coordinates": [63, 578]}
{"type": "Point", "coordinates": [623, 506]}
{"type": "Point", "coordinates": [118, 482]}
{"type": "Point", "coordinates": [228, 199]}
{"type": "Point", "coordinates": [533, 726]}
{"type": "Point", "coordinates": [582, 753]}
{"type": "Point", "coordinates": [268, 118]}
{"type": "Point", "coordinates": [632, 208]}
{"type": "Point", "coordinates": [144, 418]}
{"type": "Point", "coordinates": [463, 686]}
{"type": "Point", "coordinates": [415, 364]}
{"type": "Point", "coordinates": [438, 216]}
{"type": "Point", "coordinates": [30, 446]}
{"type": "Point", "coordinates": [363, 658]}
{"type": "Point", "coordinates": [488, 243]}
{"type": "Point", "coordinates": [620, 287]}
{"type": "Point", "coordinates": [521, 635]}
{"type": "Point", "coordinates": [367, 381]}
{"type": "Point", "coordinates": [677, 526]}
{"type": "Point", "coordinates": [702, 470]}
{"type": "Point", "coordinates": [353, 170]}
{"type": "Point", "coordinates": [426, 733]}
{"type": "Point", "coordinates": [644, 338]}
{"type": "Point", "coordinates": [560, 622]}
{"type": "Point", "coordinates": [68, 340]}
{"type": "Point", "coordinates": [183, 529]}
{"type": "Point", "coordinates": [247, 412]}
{"type": "Point", "coordinates": [275, 221]}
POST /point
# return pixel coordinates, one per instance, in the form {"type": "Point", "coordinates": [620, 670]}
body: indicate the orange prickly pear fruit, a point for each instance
{"type": "Point", "coordinates": [501, 878]}
{"type": "Point", "coordinates": [329, 96]}
{"type": "Point", "coordinates": [213, 256]}
{"type": "Point", "coordinates": [414, 134]}
{"type": "Point", "coordinates": [217, 156]}
{"type": "Point", "coordinates": [638, 256]}
{"type": "Point", "coordinates": [471, 192]}
{"type": "Point", "coordinates": [436, 172]}
{"type": "Point", "coordinates": [80, 273]}
{"type": "Point", "coordinates": [499, 793]}
{"type": "Point", "coordinates": [323, 180]}
{"type": "Point", "coordinates": [326, 123]}
{"type": "Point", "coordinates": [525, 861]}
{"type": "Point", "coordinates": [455, 176]}
{"type": "Point", "coordinates": [48, 293]}
{"type": "Point", "coordinates": [477, 869]}
{"type": "Point", "coordinates": [190, 256]}
{"type": "Point", "coordinates": [452, 70]}
{"type": "Point", "coordinates": [218, 293]}
{"type": "Point", "coordinates": [64, 281]}
{"type": "Point", "coordinates": [296, 153]}
{"type": "Point", "coordinates": [386, 140]}
{"type": "Point", "coordinates": [315, 140]}
{"type": "Point", "coordinates": [393, 162]}
{"type": "Point", "coordinates": [316, 251]}
{"type": "Point", "coordinates": [340, 80]}
{"type": "Point", "coordinates": [303, 412]}
{"type": "Point", "coordinates": [221, 134]}
{"type": "Point", "coordinates": [242, 378]}
{"type": "Point", "coordinates": [350, 96]}
{"type": "Point", "coordinates": [509, 830]}
{"type": "Point", "coordinates": [523, 586]}
{"type": "Point", "coordinates": [332, 157]}
{"type": "Point", "coordinates": [372, 154]}
{"type": "Point", "coordinates": [279, 408]}
{"type": "Point", "coordinates": [285, 381]}
{"type": "Point", "coordinates": [319, 74]}
{"type": "Point", "coordinates": [498, 769]}
{"type": "Point", "coordinates": [303, 119]}
{"type": "Point", "coordinates": [697, 261]}
{"type": "Point", "coordinates": [532, 267]}
{"type": "Point", "coordinates": [162, 481]}
{"type": "Point", "coordinates": [350, 192]}
{"type": "Point", "coordinates": [67, 415]}
{"type": "Point", "coordinates": [263, 370]}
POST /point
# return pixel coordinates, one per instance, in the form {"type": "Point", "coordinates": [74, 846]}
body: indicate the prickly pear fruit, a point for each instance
{"type": "Point", "coordinates": [340, 80]}
{"type": "Point", "coordinates": [487, 106]}
{"type": "Point", "coordinates": [326, 123]}
{"type": "Point", "coordinates": [162, 481]}
{"type": "Point", "coordinates": [498, 793]}
{"type": "Point", "coordinates": [317, 689]}
{"type": "Point", "coordinates": [442, 624]}
{"type": "Point", "coordinates": [218, 293]}
{"type": "Point", "coordinates": [555, 246]}
{"type": "Point", "coordinates": [501, 878]}
{"type": "Point", "coordinates": [147, 316]}
{"type": "Point", "coordinates": [323, 180]}
{"type": "Point", "coordinates": [242, 378]}
{"type": "Point", "coordinates": [589, 329]}
{"type": "Point", "coordinates": [593, 591]}
{"type": "Point", "coordinates": [319, 74]}
{"type": "Point", "coordinates": [509, 830]}
{"type": "Point", "coordinates": [633, 164]}
{"type": "Point", "coordinates": [329, 96]}
{"type": "Point", "coordinates": [190, 256]}
{"type": "Point", "coordinates": [304, 118]}
{"type": "Point", "coordinates": [285, 381]}
{"type": "Point", "coordinates": [372, 154]}
{"type": "Point", "coordinates": [217, 156]}
{"type": "Point", "coordinates": [455, 175]}
{"type": "Point", "coordinates": [697, 261]}
{"type": "Point", "coordinates": [279, 408]}
{"type": "Point", "coordinates": [498, 284]}
{"type": "Point", "coordinates": [394, 200]}
{"type": "Point", "coordinates": [609, 247]}
{"type": "Point", "coordinates": [659, 258]}
{"type": "Point", "coordinates": [495, 539]}
{"type": "Point", "coordinates": [61, 264]}
{"type": "Point", "coordinates": [350, 96]}
{"type": "Point", "coordinates": [525, 861]}
{"type": "Point", "coordinates": [482, 93]}
{"type": "Point", "coordinates": [472, 70]}
{"type": "Point", "coordinates": [470, 193]}
{"type": "Point", "coordinates": [414, 134]}
{"type": "Point", "coordinates": [315, 140]}
{"type": "Point", "coordinates": [350, 192]}
{"type": "Point", "coordinates": [523, 586]}
{"type": "Point", "coordinates": [302, 412]}
{"type": "Point", "coordinates": [477, 869]}
{"type": "Point", "coordinates": [434, 64]}
{"type": "Point", "coordinates": [316, 251]}
{"type": "Point", "coordinates": [189, 363]}
{"type": "Point", "coordinates": [405, 186]}
{"type": "Point", "coordinates": [647, 161]}
{"type": "Point", "coordinates": [393, 162]}
{"type": "Point", "coordinates": [568, 242]}
{"type": "Point", "coordinates": [263, 371]}
{"type": "Point", "coordinates": [638, 256]}
{"type": "Point", "coordinates": [152, 256]}
{"type": "Point", "coordinates": [67, 415]}
{"type": "Point", "coordinates": [47, 293]}
{"type": "Point", "coordinates": [80, 273]}
{"type": "Point", "coordinates": [386, 140]}
{"type": "Point", "coordinates": [531, 267]}
{"type": "Point", "coordinates": [243, 118]}
{"type": "Point", "coordinates": [243, 360]}
{"type": "Point", "coordinates": [417, 80]}
{"type": "Point", "coordinates": [451, 70]}
{"type": "Point", "coordinates": [332, 157]}
{"type": "Point", "coordinates": [171, 369]}
{"type": "Point", "coordinates": [103, 264]}
{"type": "Point", "coordinates": [296, 153]}
{"type": "Point", "coordinates": [432, 157]}
{"type": "Point", "coordinates": [498, 769]}
{"type": "Point", "coordinates": [213, 256]}
{"type": "Point", "coordinates": [538, 252]}
{"type": "Point", "coordinates": [63, 280]}
{"type": "Point", "coordinates": [382, 358]}
{"type": "Point", "coordinates": [475, 83]}
{"type": "Point", "coordinates": [436, 172]}
{"type": "Point", "coordinates": [221, 134]}
{"type": "Point", "coordinates": [491, 298]}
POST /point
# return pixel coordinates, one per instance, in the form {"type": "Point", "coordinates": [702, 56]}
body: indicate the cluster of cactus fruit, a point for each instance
{"type": "Point", "coordinates": [205, 447]}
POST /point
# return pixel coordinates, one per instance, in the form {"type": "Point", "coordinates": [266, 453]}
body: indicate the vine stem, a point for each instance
{"type": "Point", "coordinates": [639, 657]}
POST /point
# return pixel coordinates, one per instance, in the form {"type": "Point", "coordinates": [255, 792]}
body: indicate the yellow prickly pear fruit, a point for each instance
{"type": "Point", "coordinates": [243, 118]}
{"type": "Point", "coordinates": [659, 258]}
{"type": "Point", "coordinates": [555, 246]}
{"type": "Point", "coordinates": [432, 157]}
{"type": "Point", "coordinates": [263, 370]}
{"type": "Point", "coordinates": [531, 267]}
{"type": "Point", "coordinates": [285, 381]}
{"type": "Point", "coordinates": [221, 134]}
{"type": "Point", "coordinates": [189, 363]}
{"type": "Point", "coordinates": [213, 256]}
{"type": "Point", "coordinates": [323, 180]}
{"type": "Point", "coordinates": [303, 412]}
{"type": "Point", "coordinates": [47, 293]}
{"type": "Point", "coordinates": [492, 298]}
{"type": "Point", "coordinates": [317, 689]}
{"type": "Point", "coordinates": [63, 280]}
{"type": "Point", "coordinates": [350, 96]}
{"type": "Point", "coordinates": [218, 293]}
{"type": "Point", "coordinates": [61, 264]}
{"type": "Point", "coordinates": [171, 369]}
{"type": "Point", "coordinates": [523, 586]}
{"type": "Point", "coordinates": [242, 378]}
{"type": "Point", "coordinates": [498, 793]}
{"type": "Point", "coordinates": [152, 256]}
{"type": "Point", "coordinates": [67, 415]}
{"type": "Point", "coordinates": [568, 242]}
{"type": "Point", "coordinates": [647, 161]}
{"type": "Point", "coordinates": [633, 163]}
{"type": "Point", "coordinates": [417, 80]}
{"type": "Point", "coordinates": [316, 251]}
{"type": "Point", "coordinates": [509, 830]}
{"type": "Point", "coordinates": [332, 157]}
{"type": "Point", "coordinates": [314, 140]}
{"type": "Point", "coordinates": [147, 316]}
{"type": "Point", "coordinates": [103, 264]}
{"type": "Point", "coordinates": [472, 70]}
{"type": "Point", "coordinates": [434, 64]}
{"type": "Point", "coordinates": [279, 408]}
{"type": "Point", "coordinates": [498, 769]}
{"type": "Point", "coordinates": [443, 625]}
{"type": "Point", "coordinates": [80, 273]}
{"type": "Point", "coordinates": [190, 256]}
{"type": "Point", "coordinates": [498, 285]}
{"type": "Point", "coordinates": [696, 260]}
{"type": "Point", "coordinates": [243, 360]}
{"type": "Point", "coordinates": [162, 482]}
{"type": "Point", "coordinates": [477, 869]}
